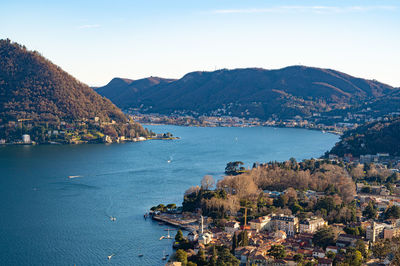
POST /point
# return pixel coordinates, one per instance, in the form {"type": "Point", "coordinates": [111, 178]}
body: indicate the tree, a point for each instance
{"type": "Point", "coordinates": [298, 258]}
{"type": "Point", "coordinates": [201, 257]}
{"type": "Point", "coordinates": [214, 257]}
{"type": "Point", "coordinates": [366, 190]}
{"type": "Point", "coordinates": [360, 246]}
{"type": "Point", "coordinates": [331, 254]}
{"type": "Point", "coordinates": [110, 131]}
{"type": "Point", "coordinates": [234, 168]}
{"type": "Point", "coordinates": [243, 239]}
{"type": "Point", "coordinates": [277, 251]}
{"type": "Point", "coordinates": [207, 182]}
{"type": "Point", "coordinates": [281, 201]}
{"type": "Point", "coordinates": [324, 237]}
{"type": "Point", "coordinates": [192, 190]}
{"type": "Point", "coordinates": [179, 236]}
{"type": "Point", "coordinates": [370, 211]}
{"type": "Point", "coordinates": [235, 242]}
{"type": "Point", "coordinates": [353, 257]}
{"type": "Point", "coordinates": [171, 206]}
{"type": "Point", "coordinates": [357, 172]}
{"type": "Point", "coordinates": [226, 258]}
{"type": "Point", "coordinates": [392, 212]}
{"type": "Point", "coordinates": [381, 248]}
{"type": "Point", "coordinates": [181, 256]}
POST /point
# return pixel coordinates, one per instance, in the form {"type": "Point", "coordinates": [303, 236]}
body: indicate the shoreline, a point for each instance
{"type": "Point", "coordinates": [338, 133]}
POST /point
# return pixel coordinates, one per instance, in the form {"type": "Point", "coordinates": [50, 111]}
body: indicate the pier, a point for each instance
{"type": "Point", "coordinates": [177, 220]}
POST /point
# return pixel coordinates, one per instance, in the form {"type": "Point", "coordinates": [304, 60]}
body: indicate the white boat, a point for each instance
{"type": "Point", "coordinates": [113, 218]}
{"type": "Point", "coordinates": [74, 176]}
{"type": "Point", "coordinates": [110, 256]}
{"type": "Point", "coordinates": [168, 236]}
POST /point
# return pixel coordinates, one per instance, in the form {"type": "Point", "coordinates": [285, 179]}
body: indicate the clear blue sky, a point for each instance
{"type": "Point", "coordinates": [98, 40]}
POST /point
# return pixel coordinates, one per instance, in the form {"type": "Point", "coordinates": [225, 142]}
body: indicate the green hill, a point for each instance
{"type": "Point", "coordinates": [251, 92]}
{"type": "Point", "coordinates": [371, 138]}
{"type": "Point", "coordinates": [39, 98]}
{"type": "Point", "coordinates": [33, 87]}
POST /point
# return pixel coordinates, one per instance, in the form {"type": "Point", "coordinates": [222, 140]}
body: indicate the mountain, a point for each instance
{"type": "Point", "coordinates": [371, 138]}
{"type": "Point", "coordinates": [250, 92]}
{"type": "Point", "coordinates": [121, 91]}
{"type": "Point", "coordinates": [32, 87]}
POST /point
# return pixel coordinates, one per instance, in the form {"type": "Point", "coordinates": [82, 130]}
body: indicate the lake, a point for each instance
{"type": "Point", "coordinates": [50, 219]}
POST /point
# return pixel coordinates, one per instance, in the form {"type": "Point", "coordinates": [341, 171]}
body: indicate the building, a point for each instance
{"type": "Point", "coordinates": [389, 232]}
{"type": "Point", "coordinates": [204, 237]}
{"type": "Point", "coordinates": [346, 240]}
{"type": "Point", "coordinates": [332, 249]}
{"type": "Point", "coordinates": [325, 262]}
{"type": "Point", "coordinates": [279, 235]}
{"type": "Point", "coordinates": [192, 236]}
{"type": "Point", "coordinates": [26, 138]}
{"type": "Point", "coordinates": [288, 224]}
{"type": "Point", "coordinates": [318, 253]}
{"type": "Point", "coordinates": [311, 225]}
{"type": "Point", "coordinates": [375, 231]}
{"type": "Point", "coordinates": [261, 223]}
{"type": "Point", "coordinates": [231, 227]}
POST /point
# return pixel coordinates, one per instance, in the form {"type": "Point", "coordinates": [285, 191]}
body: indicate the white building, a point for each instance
{"type": "Point", "coordinates": [26, 138]}
{"type": "Point", "coordinates": [311, 225]}
{"type": "Point", "coordinates": [375, 231]}
{"type": "Point", "coordinates": [288, 224]}
{"type": "Point", "coordinates": [204, 238]}
{"type": "Point", "coordinates": [261, 223]}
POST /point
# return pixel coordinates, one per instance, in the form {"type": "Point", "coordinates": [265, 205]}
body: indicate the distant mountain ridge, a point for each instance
{"type": "Point", "coordinates": [124, 89]}
{"type": "Point", "coordinates": [249, 92]}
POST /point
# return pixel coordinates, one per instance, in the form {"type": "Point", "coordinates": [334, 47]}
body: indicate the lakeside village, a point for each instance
{"type": "Point", "coordinates": [315, 212]}
{"type": "Point", "coordinates": [326, 122]}
{"type": "Point", "coordinates": [30, 132]}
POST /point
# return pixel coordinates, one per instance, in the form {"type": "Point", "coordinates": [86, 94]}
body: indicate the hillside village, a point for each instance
{"type": "Point", "coordinates": [355, 223]}
{"type": "Point", "coordinates": [94, 130]}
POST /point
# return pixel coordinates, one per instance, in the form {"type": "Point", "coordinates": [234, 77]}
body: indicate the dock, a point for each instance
{"type": "Point", "coordinates": [177, 221]}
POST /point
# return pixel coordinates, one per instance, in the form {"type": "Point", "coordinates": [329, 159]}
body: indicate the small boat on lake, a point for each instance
{"type": "Point", "coordinates": [164, 256]}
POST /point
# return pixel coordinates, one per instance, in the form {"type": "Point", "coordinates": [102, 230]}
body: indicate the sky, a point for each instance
{"type": "Point", "coordinates": [96, 41]}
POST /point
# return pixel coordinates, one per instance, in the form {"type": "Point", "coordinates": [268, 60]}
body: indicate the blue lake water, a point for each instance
{"type": "Point", "coordinates": [49, 219]}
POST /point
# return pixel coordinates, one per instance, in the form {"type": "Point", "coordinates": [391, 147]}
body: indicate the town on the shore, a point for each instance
{"type": "Point", "coordinates": [93, 130]}
{"type": "Point", "coordinates": [332, 211]}
{"type": "Point", "coordinates": [332, 123]}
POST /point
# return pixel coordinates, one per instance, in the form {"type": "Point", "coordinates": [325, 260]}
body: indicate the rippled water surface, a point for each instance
{"type": "Point", "coordinates": [50, 219]}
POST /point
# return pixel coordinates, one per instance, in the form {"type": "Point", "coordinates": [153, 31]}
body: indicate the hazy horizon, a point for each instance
{"type": "Point", "coordinates": [96, 41]}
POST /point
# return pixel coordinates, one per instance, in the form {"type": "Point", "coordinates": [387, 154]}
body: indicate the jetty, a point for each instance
{"type": "Point", "coordinates": [177, 220]}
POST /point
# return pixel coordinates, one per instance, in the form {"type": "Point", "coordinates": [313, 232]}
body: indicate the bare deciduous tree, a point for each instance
{"type": "Point", "coordinates": [207, 182]}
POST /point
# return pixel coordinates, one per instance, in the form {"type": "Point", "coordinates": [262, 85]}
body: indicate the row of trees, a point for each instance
{"type": "Point", "coordinates": [235, 191]}
{"type": "Point", "coordinates": [220, 256]}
